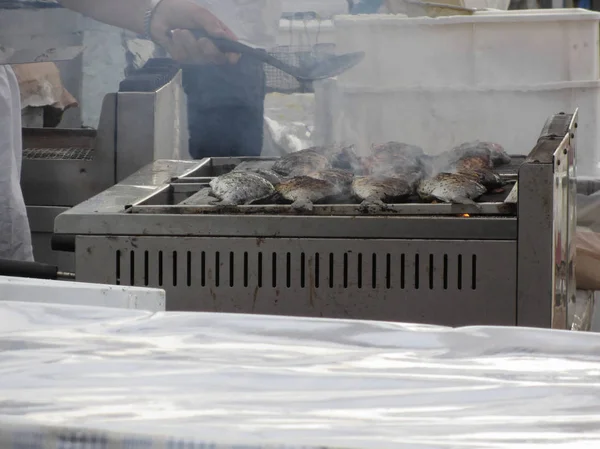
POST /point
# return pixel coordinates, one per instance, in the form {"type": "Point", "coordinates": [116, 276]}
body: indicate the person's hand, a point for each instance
{"type": "Point", "coordinates": [179, 15]}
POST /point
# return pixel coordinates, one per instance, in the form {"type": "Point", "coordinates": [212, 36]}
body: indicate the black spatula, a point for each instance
{"type": "Point", "coordinates": [327, 67]}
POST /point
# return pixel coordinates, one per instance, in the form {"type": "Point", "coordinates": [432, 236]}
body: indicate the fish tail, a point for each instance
{"type": "Point", "coordinates": [466, 201]}
{"type": "Point", "coordinates": [372, 204]}
{"type": "Point", "coordinates": [303, 205]}
{"type": "Point", "coordinates": [463, 200]}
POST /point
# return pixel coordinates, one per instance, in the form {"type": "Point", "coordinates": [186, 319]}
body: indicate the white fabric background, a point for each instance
{"type": "Point", "coordinates": [253, 21]}
{"type": "Point", "coordinates": [15, 237]}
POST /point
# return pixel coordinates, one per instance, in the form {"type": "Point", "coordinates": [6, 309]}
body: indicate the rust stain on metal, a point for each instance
{"type": "Point", "coordinates": [254, 298]}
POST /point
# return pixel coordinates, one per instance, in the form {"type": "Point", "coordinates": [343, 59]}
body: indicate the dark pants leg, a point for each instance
{"type": "Point", "coordinates": [225, 109]}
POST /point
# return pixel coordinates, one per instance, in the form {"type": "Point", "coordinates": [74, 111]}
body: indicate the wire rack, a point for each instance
{"type": "Point", "coordinates": [59, 154]}
{"type": "Point", "coordinates": [278, 81]}
{"type": "Point", "coordinates": [302, 54]}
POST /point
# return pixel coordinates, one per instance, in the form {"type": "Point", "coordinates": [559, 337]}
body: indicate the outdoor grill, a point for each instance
{"type": "Point", "coordinates": [508, 261]}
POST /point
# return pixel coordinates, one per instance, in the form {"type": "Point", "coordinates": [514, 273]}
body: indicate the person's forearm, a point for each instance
{"type": "Point", "coordinates": [128, 14]}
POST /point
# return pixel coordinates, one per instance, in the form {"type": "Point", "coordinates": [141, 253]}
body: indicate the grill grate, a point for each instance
{"type": "Point", "coordinates": [327, 270]}
{"type": "Point", "coordinates": [59, 154]}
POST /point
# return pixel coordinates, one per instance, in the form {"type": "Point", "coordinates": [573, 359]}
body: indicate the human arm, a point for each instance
{"type": "Point", "coordinates": [169, 15]}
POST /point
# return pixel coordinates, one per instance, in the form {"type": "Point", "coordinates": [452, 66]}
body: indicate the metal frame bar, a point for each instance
{"type": "Point", "coordinates": [545, 197]}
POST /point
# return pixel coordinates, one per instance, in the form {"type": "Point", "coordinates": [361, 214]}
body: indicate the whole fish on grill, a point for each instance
{"type": "Point", "coordinates": [240, 187]}
{"type": "Point", "coordinates": [342, 157]}
{"type": "Point", "coordinates": [497, 151]}
{"type": "Point", "coordinates": [304, 191]}
{"type": "Point", "coordinates": [454, 161]}
{"type": "Point", "coordinates": [342, 179]}
{"type": "Point", "coordinates": [468, 163]}
{"type": "Point", "coordinates": [456, 188]}
{"type": "Point", "coordinates": [486, 177]}
{"type": "Point", "coordinates": [269, 175]}
{"type": "Point", "coordinates": [398, 160]}
{"type": "Point", "coordinates": [261, 168]}
{"type": "Point", "coordinates": [475, 154]}
{"type": "Point", "coordinates": [477, 167]}
{"type": "Point", "coordinates": [300, 163]}
{"type": "Point", "coordinates": [377, 191]}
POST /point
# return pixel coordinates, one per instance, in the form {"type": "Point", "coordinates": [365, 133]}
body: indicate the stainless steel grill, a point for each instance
{"type": "Point", "coordinates": [508, 262]}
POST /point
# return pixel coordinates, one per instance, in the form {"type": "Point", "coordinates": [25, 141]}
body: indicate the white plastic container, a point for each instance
{"type": "Point", "coordinates": [438, 119]}
{"type": "Point", "coordinates": [495, 75]}
{"type": "Point", "coordinates": [325, 8]}
{"type": "Point", "coordinates": [305, 33]}
{"type": "Point", "coordinates": [507, 48]}
{"type": "Point", "coordinates": [81, 294]}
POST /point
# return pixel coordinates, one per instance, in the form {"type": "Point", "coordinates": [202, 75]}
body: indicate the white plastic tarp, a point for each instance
{"type": "Point", "coordinates": [80, 377]}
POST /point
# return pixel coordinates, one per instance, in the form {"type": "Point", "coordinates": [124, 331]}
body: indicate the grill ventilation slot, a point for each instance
{"type": "Point", "coordinates": [296, 270]}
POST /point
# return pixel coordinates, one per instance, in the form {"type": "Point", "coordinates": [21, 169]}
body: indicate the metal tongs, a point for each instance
{"type": "Point", "coordinates": [324, 68]}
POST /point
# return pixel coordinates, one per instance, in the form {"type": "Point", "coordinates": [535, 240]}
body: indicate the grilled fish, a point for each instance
{"type": "Point", "coordinates": [261, 168]}
{"type": "Point", "coordinates": [303, 191]}
{"type": "Point", "coordinates": [486, 177]}
{"type": "Point", "coordinates": [269, 175]}
{"type": "Point", "coordinates": [497, 151]}
{"type": "Point", "coordinates": [451, 161]}
{"type": "Point", "coordinates": [342, 179]}
{"type": "Point", "coordinates": [475, 154]}
{"type": "Point", "coordinates": [342, 157]}
{"type": "Point", "coordinates": [478, 168]}
{"type": "Point", "coordinates": [451, 188]}
{"type": "Point", "coordinates": [240, 187]}
{"type": "Point", "coordinates": [398, 160]}
{"type": "Point", "coordinates": [470, 163]}
{"type": "Point", "coordinates": [380, 190]}
{"type": "Point", "coordinates": [300, 163]}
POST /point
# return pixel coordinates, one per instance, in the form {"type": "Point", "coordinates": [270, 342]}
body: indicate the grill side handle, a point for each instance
{"type": "Point", "coordinates": [37, 270]}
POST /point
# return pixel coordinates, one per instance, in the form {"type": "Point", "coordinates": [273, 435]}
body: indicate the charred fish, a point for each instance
{"type": "Point", "coordinates": [486, 177]}
{"type": "Point", "coordinates": [304, 191]}
{"type": "Point", "coordinates": [455, 188]}
{"type": "Point", "coordinates": [342, 179]}
{"type": "Point", "coordinates": [398, 160]}
{"type": "Point", "coordinates": [301, 163]}
{"type": "Point", "coordinates": [240, 187]}
{"type": "Point", "coordinates": [342, 157]}
{"type": "Point", "coordinates": [377, 191]}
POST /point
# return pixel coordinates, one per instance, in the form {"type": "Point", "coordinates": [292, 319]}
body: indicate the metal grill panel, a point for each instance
{"type": "Point", "coordinates": [440, 282]}
{"type": "Point", "coordinates": [57, 154]}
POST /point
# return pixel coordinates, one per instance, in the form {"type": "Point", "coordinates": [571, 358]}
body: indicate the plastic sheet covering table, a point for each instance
{"type": "Point", "coordinates": [97, 378]}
